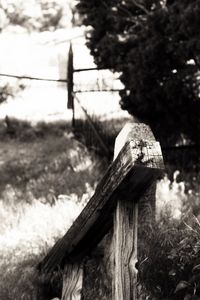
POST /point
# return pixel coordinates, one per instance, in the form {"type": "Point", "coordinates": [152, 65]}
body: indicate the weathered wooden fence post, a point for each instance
{"type": "Point", "coordinates": [107, 229]}
{"type": "Point", "coordinates": [125, 235]}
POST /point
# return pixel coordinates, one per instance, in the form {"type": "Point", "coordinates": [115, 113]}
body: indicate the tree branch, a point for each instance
{"type": "Point", "coordinates": [142, 7]}
{"type": "Point", "coordinates": [124, 10]}
{"type": "Point", "coordinates": [130, 18]}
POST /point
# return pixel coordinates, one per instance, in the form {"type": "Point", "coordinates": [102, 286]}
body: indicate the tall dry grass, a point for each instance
{"type": "Point", "coordinates": [45, 182]}
{"type": "Point", "coordinates": [28, 230]}
{"type": "Point", "coordinates": [34, 215]}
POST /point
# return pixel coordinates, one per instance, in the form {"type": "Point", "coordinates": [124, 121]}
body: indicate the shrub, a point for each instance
{"type": "Point", "coordinates": [154, 45]}
{"type": "Point", "coordinates": [170, 254]}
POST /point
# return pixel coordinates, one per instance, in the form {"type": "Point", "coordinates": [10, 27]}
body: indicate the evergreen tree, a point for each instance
{"type": "Point", "coordinates": [156, 47]}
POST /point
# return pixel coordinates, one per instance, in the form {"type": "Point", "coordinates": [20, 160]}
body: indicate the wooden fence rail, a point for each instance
{"type": "Point", "coordinates": [106, 231]}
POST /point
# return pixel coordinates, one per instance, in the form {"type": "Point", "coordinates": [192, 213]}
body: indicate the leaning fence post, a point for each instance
{"type": "Point", "coordinates": [128, 211]}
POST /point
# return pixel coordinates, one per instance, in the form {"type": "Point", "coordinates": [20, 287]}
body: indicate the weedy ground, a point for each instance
{"type": "Point", "coordinates": [46, 177]}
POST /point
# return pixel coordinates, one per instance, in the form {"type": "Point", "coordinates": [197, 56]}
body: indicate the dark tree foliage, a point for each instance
{"type": "Point", "coordinates": [156, 47]}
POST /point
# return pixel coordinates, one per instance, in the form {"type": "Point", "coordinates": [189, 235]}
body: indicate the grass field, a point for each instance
{"type": "Point", "coordinates": [47, 176]}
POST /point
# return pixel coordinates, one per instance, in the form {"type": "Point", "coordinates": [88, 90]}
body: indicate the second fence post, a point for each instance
{"type": "Point", "coordinates": [70, 84]}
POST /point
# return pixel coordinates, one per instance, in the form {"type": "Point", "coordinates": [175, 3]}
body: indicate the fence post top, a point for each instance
{"type": "Point", "coordinates": [132, 131]}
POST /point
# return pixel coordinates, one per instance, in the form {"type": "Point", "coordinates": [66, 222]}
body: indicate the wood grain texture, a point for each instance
{"type": "Point", "coordinates": [136, 166]}
{"type": "Point", "coordinates": [125, 250]}
{"type": "Point", "coordinates": [134, 132]}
